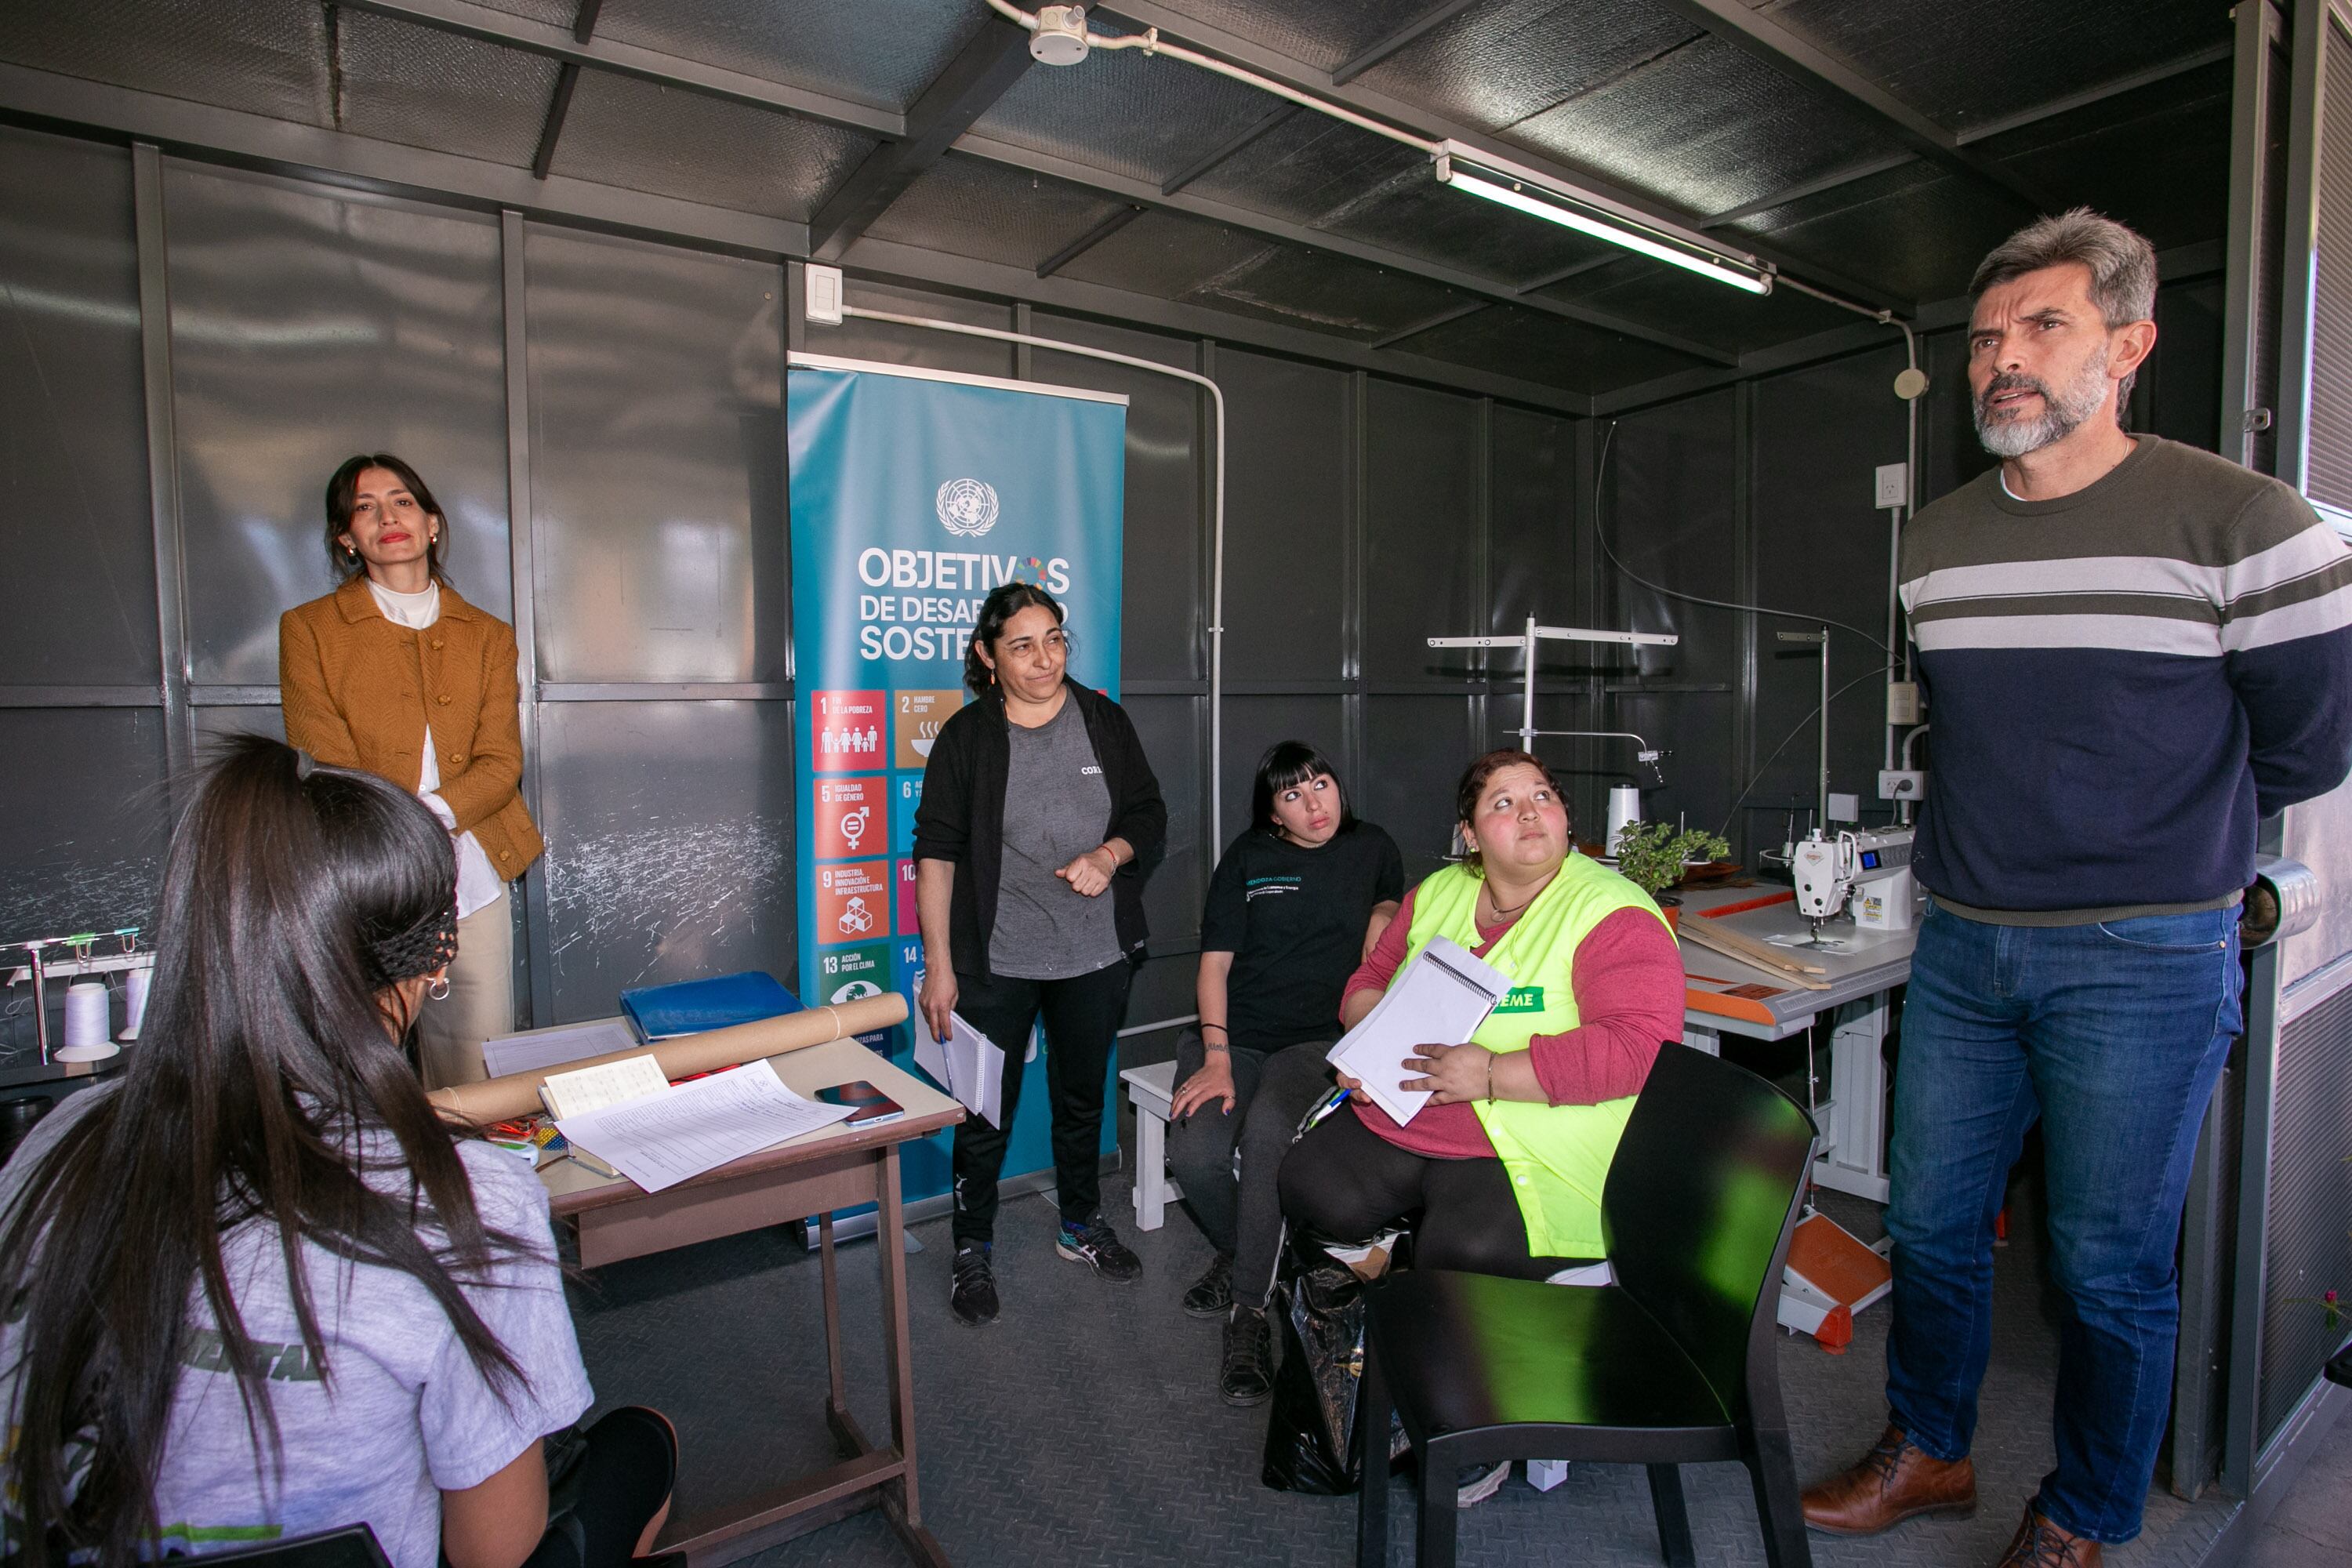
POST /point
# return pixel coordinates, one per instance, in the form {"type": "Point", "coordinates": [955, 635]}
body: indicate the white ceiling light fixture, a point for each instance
{"type": "Point", "coordinates": [1538, 195]}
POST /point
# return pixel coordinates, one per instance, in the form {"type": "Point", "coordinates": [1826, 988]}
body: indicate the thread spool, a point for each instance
{"type": "Point", "coordinates": [88, 1007]}
{"type": "Point", "coordinates": [135, 998]}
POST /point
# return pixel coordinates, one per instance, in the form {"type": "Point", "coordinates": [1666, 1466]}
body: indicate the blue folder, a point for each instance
{"type": "Point", "coordinates": [691, 1007]}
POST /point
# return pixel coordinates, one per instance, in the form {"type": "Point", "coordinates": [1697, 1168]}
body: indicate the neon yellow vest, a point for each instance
{"type": "Point", "coordinates": [1556, 1155]}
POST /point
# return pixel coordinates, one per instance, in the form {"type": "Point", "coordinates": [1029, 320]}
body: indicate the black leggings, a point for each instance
{"type": "Point", "coordinates": [1346, 1183]}
{"type": "Point", "coordinates": [618, 1485]}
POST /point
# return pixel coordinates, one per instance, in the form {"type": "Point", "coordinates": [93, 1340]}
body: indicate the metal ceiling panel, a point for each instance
{"type": "Point", "coordinates": [1705, 127]}
{"type": "Point", "coordinates": [1414, 215]}
{"type": "Point", "coordinates": [1320, 33]}
{"type": "Point", "coordinates": [1545, 349]}
{"type": "Point", "coordinates": [1139, 116]}
{"type": "Point", "coordinates": [1662, 297]}
{"type": "Point", "coordinates": [627, 133]}
{"type": "Point", "coordinates": [969, 206]}
{"type": "Point", "coordinates": [1307, 168]}
{"type": "Point", "coordinates": [1496, 65]}
{"type": "Point", "coordinates": [882, 51]}
{"type": "Point", "coordinates": [1166, 256]}
{"type": "Point", "coordinates": [1965, 64]}
{"type": "Point", "coordinates": [266, 56]}
{"type": "Point", "coordinates": [1918, 230]}
{"type": "Point", "coordinates": [554, 13]}
{"type": "Point", "coordinates": [424, 88]}
{"type": "Point", "coordinates": [1326, 293]}
{"type": "Point", "coordinates": [2099, 157]}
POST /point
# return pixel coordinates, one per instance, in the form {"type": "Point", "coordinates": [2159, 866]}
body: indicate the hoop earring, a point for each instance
{"type": "Point", "coordinates": [439, 989]}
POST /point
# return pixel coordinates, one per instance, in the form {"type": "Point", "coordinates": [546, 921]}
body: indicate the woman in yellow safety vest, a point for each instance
{"type": "Point", "coordinates": [1505, 1163]}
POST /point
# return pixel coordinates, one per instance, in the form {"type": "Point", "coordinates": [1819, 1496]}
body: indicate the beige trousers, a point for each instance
{"type": "Point", "coordinates": [480, 1003]}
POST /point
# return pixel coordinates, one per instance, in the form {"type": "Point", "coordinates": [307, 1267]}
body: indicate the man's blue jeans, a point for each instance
{"type": "Point", "coordinates": [2112, 1037]}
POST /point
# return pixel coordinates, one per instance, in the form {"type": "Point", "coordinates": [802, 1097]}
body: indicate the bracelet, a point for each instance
{"type": "Point", "coordinates": [1490, 1075]}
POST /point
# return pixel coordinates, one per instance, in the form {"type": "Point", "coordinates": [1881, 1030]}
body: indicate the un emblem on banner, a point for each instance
{"type": "Point", "coordinates": [967, 508]}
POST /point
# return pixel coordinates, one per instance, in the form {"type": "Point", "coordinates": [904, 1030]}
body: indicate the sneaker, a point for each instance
{"type": "Point", "coordinates": [1247, 1374]}
{"type": "Point", "coordinates": [1211, 1295]}
{"type": "Point", "coordinates": [973, 1297]}
{"type": "Point", "coordinates": [1477, 1483]}
{"type": "Point", "coordinates": [1096, 1246]}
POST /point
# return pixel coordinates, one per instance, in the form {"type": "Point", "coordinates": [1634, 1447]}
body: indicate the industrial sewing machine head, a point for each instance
{"type": "Point", "coordinates": [1871, 870]}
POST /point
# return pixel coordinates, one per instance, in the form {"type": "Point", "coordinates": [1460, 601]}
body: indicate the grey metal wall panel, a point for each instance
{"type": "Point", "coordinates": [1287, 518]}
{"type": "Point", "coordinates": [1670, 517]}
{"type": "Point", "coordinates": [77, 602]}
{"type": "Point", "coordinates": [1424, 473]}
{"type": "Point", "coordinates": [1418, 747]}
{"type": "Point", "coordinates": [887, 343]}
{"type": "Point", "coordinates": [670, 828]}
{"type": "Point", "coordinates": [1164, 609]}
{"type": "Point", "coordinates": [2307, 1241]}
{"type": "Point", "coordinates": [309, 324]}
{"type": "Point", "coordinates": [81, 843]}
{"type": "Point", "coordinates": [1172, 729]}
{"type": "Point", "coordinates": [1254, 723]}
{"type": "Point", "coordinates": [217, 722]}
{"type": "Point", "coordinates": [1821, 549]}
{"type": "Point", "coordinates": [657, 462]}
{"type": "Point", "coordinates": [1531, 556]}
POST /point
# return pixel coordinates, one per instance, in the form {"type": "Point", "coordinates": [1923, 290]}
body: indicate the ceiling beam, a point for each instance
{"type": "Point", "coordinates": [468, 20]}
{"type": "Point", "coordinates": [982, 71]}
{"type": "Point", "coordinates": [1470, 308]}
{"type": "Point", "coordinates": [1853, 173]}
{"type": "Point", "coordinates": [1225, 149]}
{"type": "Point", "coordinates": [1374, 53]}
{"type": "Point", "coordinates": [1424, 120]}
{"type": "Point", "coordinates": [1089, 240]}
{"type": "Point", "coordinates": [567, 82]}
{"type": "Point", "coordinates": [1734, 23]}
{"type": "Point", "coordinates": [1086, 175]}
{"type": "Point", "coordinates": [886, 261]}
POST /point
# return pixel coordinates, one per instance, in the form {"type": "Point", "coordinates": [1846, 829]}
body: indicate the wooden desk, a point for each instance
{"type": "Point", "coordinates": [815, 1174]}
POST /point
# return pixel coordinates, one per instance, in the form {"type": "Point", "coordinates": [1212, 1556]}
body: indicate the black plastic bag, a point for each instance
{"type": "Point", "coordinates": [1310, 1434]}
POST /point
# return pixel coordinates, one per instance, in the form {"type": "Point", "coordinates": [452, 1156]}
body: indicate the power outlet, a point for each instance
{"type": "Point", "coordinates": [823, 297]}
{"type": "Point", "coordinates": [1901, 784]}
{"type": "Point", "coordinates": [1893, 484]}
{"type": "Point", "coordinates": [1903, 706]}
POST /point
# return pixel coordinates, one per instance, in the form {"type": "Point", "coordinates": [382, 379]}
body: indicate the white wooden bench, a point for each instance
{"type": "Point", "coordinates": [1148, 1090]}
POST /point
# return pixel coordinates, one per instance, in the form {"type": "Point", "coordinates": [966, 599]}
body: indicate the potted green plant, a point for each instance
{"type": "Point", "coordinates": [1652, 855]}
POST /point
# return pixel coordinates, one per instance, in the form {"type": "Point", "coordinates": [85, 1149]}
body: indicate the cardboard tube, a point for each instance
{"type": "Point", "coordinates": [517, 1094]}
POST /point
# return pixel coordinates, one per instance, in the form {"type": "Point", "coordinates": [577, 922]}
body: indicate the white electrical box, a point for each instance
{"type": "Point", "coordinates": [1903, 702]}
{"type": "Point", "coordinates": [824, 295]}
{"type": "Point", "coordinates": [1845, 807]}
{"type": "Point", "coordinates": [1901, 784]}
{"type": "Point", "coordinates": [1893, 484]}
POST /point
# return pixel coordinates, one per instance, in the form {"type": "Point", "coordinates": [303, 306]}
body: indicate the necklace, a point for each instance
{"type": "Point", "coordinates": [1502, 913]}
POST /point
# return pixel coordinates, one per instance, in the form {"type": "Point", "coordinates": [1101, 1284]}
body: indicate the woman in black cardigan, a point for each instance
{"type": "Point", "coordinates": [1037, 803]}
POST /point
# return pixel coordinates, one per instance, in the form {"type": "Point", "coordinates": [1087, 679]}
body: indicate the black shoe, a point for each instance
{"type": "Point", "coordinates": [973, 1297]}
{"type": "Point", "coordinates": [1096, 1246]}
{"type": "Point", "coordinates": [1211, 1295]}
{"type": "Point", "coordinates": [1247, 1375]}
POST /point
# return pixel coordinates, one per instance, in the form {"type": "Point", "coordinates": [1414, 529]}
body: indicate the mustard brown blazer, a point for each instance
{"type": "Point", "coordinates": [353, 684]}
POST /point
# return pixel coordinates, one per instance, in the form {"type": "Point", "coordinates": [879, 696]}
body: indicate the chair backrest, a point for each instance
{"type": "Point", "coordinates": [1698, 1208]}
{"type": "Point", "coordinates": [351, 1546]}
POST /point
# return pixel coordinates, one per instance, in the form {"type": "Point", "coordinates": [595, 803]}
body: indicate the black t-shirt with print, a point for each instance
{"type": "Point", "coordinates": [1294, 920]}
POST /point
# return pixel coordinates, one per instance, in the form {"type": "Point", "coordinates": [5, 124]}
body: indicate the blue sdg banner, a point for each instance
{"type": "Point", "coordinates": [913, 494]}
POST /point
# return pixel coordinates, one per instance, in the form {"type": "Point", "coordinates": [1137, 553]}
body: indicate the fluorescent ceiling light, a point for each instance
{"type": "Point", "coordinates": [1526, 191]}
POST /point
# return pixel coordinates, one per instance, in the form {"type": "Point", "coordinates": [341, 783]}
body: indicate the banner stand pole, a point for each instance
{"type": "Point", "coordinates": [1211, 837]}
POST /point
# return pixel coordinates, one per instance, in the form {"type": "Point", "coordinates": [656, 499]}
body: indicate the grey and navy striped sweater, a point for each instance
{"type": "Point", "coordinates": [2122, 682]}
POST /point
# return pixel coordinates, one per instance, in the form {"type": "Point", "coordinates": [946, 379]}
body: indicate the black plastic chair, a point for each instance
{"type": "Point", "coordinates": [1673, 1365]}
{"type": "Point", "coordinates": [351, 1546]}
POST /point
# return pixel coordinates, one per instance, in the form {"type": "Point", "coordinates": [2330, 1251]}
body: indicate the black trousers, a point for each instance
{"type": "Point", "coordinates": [1082, 1019]}
{"type": "Point", "coordinates": [608, 1494]}
{"type": "Point", "coordinates": [1242, 1216]}
{"type": "Point", "coordinates": [1347, 1183]}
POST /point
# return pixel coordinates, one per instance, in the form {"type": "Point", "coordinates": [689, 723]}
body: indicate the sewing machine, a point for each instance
{"type": "Point", "coordinates": [1870, 870]}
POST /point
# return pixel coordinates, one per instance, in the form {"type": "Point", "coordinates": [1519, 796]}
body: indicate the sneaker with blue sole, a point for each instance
{"type": "Point", "coordinates": [1096, 1246]}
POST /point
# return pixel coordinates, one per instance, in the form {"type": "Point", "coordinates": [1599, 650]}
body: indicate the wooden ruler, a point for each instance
{"type": "Point", "coordinates": [1762, 955]}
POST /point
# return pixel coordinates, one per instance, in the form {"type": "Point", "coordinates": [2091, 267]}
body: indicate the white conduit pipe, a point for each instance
{"type": "Point", "coordinates": [1215, 827]}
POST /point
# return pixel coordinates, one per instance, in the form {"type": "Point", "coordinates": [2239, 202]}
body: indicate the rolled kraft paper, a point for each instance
{"type": "Point", "coordinates": [517, 1094]}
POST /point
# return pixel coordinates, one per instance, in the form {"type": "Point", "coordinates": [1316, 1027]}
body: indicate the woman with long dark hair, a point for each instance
{"type": "Point", "coordinates": [1296, 902]}
{"type": "Point", "coordinates": [256, 1288]}
{"type": "Point", "coordinates": [1040, 820]}
{"type": "Point", "coordinates": [396, 673]}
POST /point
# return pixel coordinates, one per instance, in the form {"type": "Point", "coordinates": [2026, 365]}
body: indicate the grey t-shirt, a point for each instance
{"type": "Point", "coordinates": [407, 1416]}
{"type": "Point", "coordinates": [1056, 807]}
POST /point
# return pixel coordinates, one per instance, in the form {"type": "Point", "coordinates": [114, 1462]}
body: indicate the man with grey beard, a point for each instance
{"type": "Point", "coordinates": [2136, 650]}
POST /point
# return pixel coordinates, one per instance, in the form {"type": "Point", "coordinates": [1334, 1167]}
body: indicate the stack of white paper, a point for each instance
{"type": "Point", "coordinates": [539, 1049]}
{"type": "Point", "coordinates": [1440, 998]}
{"type": "Point", "coordinates": [660, 1140]}
{"type": "Point", "coordinates": [971, 1067]}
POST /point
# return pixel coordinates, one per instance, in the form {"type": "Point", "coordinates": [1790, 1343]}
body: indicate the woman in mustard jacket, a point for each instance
{"type": "Point", "coordinates": [396, 674]}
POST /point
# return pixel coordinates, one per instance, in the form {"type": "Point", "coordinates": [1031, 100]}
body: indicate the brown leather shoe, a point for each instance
{"type": "Point", "coordinates": [1895, 1480]}
{"type": "Point", "coordinates": [2042, 1544]}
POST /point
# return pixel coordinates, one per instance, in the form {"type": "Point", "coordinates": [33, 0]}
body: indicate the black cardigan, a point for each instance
{"type": "Point", "coordinates": [962, 819]}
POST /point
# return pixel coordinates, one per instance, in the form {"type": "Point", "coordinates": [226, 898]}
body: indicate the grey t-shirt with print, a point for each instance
{"type": "Point", "coordinates": [407, 1416]}
{"type": "Point", "coordinates": [1056, 807]}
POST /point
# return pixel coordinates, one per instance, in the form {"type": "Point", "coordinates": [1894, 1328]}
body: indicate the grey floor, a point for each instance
{"type": "Point", "coordinates": [1084, 1427]}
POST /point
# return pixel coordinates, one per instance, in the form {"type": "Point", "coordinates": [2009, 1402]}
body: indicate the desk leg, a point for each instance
{"type": "Point", "coordinates": [1857, 1129]}
{"type": "Point", "coordinates": [902, 1503]}
{"type": "Point", "coordinates": [1150, 1169]}
{"type": "Point", "coordinates": [837, 1404]}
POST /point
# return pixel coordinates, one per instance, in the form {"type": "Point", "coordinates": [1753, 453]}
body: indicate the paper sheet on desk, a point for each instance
{"type": "Point", "coordinates": [1441, 997]}
{"type": "Point", "coordinates": [971, 1067]}
{"type": "Point", "coordinates": [665, 1139]}
{"type": "Point", "coordinates": [541, 1049]}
